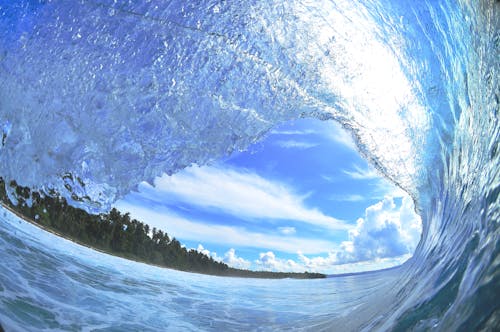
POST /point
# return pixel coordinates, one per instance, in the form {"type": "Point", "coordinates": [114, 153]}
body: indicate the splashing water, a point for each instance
{"type": "Point", "coordinates": [97, 96]}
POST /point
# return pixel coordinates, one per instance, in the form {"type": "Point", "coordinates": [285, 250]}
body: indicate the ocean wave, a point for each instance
{"type": "Point", "coordinates": [97, 96]}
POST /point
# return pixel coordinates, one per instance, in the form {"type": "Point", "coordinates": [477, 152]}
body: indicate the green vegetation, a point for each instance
{"type": "Point", "coordinates": [117, 234]}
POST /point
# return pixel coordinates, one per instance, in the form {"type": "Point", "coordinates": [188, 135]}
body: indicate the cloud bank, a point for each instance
{"type": "Point", "coordinates": [194, 230]}
{"type": "Point", "coordinates": [230, 258]}
{"type": "Point", "coordinates": [386, 236]}
{"type": "Point", "coordinates": [242, 194]}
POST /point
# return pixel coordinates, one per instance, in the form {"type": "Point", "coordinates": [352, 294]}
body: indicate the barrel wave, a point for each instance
{"type": "Point", "coordinates": [97, 96]}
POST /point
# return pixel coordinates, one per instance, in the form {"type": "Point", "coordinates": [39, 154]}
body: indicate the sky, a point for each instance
{"type": "Point", "coordinates": [301, 199]}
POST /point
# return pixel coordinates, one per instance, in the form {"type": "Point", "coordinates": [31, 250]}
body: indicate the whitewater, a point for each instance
{"type": "Point", "coordinates": [97, 96]}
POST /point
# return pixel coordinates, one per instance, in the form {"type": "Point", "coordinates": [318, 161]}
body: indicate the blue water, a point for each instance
{"type": "Point", "coordinates": [116, 92]}
{"type": "Point", "coordinates": [49, 282]}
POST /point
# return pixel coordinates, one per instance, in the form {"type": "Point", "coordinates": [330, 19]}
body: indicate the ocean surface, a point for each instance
{"type": "Point", "coordinates": [97, 96]}
{"type": "Point", "coordinates": [51, 283]}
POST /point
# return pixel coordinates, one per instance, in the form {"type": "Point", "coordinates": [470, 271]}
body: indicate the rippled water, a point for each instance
{"type": "Point", "coordinates": [49, 282]}
{"type": "Point", "coordinates": [97, 96]}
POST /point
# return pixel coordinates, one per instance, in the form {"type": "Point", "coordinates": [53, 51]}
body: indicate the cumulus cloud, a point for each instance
{"type": "Point", "coordinates": [240, 193]}
{"type": "Point", "coordinates": [318, 263]}
{"type": "Point", "coordinates": [269, 262]}
{"type": "Point", "coordinates": [206, 251]}
{"type": "Point", "coordinates": [386, 236]}
{"type": "Point", "coordinates": [385, 231]}
{"type": "Point", "coordinates": [330, 264]}
{"type": "Point", "coordinates": [231, 259]}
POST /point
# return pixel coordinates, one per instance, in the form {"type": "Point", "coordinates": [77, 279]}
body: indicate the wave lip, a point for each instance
{"type": "Point", "coordinates": [133, 91]}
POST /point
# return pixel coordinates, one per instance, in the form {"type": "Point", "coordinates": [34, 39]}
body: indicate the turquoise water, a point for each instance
{"type": "Point", "coordinates": [116, 92]}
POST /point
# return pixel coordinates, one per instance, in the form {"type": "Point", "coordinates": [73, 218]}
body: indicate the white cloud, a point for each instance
{"type": "Point", "coordinates": [292, 144]}
{"type": "Point", "coordinates": [330, 130]}
{"type": "Point", "coordinates": [319, 263]}
{"type": "Point", "coordinates": [207, 252]}
{"type": "Point", "coordinates": [359, 173]}
{"type": "Point", "coordinates": [294, 132]}
{"type": "Point", "coordinates": [379, 188]}
{"type": "Point", "coordinates": [330, 265]}
{"type": "Point", "coordinates": [385, 237]}
{"type": "Point", "coordinates": [231, 259]}
{"type": "Point", "coordinates": [287, 230]}
{"type": "Point", "coordinates": [385, 231]}
{"type": "Point", "coordinates": [240, 193]}
{"type": "Point", "coordinates": [268, 262]}
{"type": "Point", "coordinates": [224, 235]}
{"type": "Point", "coordinates": [348, 198]}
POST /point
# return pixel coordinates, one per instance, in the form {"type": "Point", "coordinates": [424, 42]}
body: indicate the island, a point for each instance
{"type": "Point", "coordinates": [118, 234]}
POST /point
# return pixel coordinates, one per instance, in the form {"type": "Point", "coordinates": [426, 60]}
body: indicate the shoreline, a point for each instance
{"type": "Point", "coordinates": [75, 241]}
{"type": "Point", "coordinates": [54, 232]}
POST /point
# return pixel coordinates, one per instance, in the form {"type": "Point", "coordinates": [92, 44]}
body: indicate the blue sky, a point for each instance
{"type": "Point", "coordinates": [300, 199]}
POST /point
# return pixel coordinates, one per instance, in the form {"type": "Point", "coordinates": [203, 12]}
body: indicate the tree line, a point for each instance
{"type": "Point", "coordinates": [118, 234]}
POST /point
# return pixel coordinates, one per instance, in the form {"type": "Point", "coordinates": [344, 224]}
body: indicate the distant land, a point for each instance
{"type": "Point", "coordinates": [117, 234]}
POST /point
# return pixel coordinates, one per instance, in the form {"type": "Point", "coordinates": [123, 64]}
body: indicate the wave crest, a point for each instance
{"type": "Point", "coordinates": [97, 96]}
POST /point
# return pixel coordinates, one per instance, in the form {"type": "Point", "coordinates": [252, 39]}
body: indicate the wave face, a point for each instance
{"type": "Point", "coordinates": [97, 96]}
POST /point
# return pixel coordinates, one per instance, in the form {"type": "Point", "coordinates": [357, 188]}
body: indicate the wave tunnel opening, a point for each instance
{"type": "Point", "coordinates": [301, 199]}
